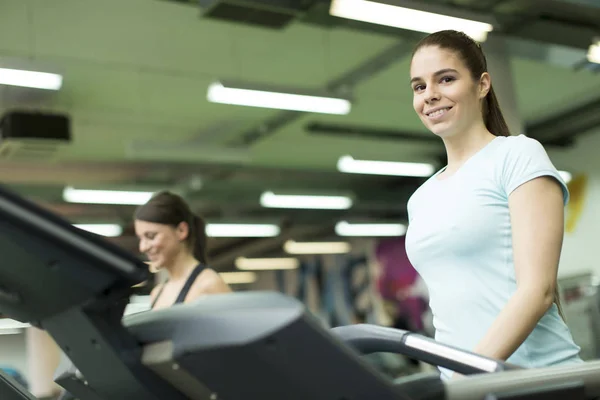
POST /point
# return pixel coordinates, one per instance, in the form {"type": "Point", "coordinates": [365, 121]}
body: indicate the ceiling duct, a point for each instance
{"type": "Point", "coordinates": [32, 136]}
{"type": "Point", "coordinates": [571, 12]}
{"type": "Point", "coordinates": [369, 133]}
{"type": "Point", "coordinates": [274, 14]}
{"type": "Point", "coordinates": [145, 150]}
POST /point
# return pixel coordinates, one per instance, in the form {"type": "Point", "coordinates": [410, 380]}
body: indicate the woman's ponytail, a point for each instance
{"type": "Point", "coordinates": [199, 239]}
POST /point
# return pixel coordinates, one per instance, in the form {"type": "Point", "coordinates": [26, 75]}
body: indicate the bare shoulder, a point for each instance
{"type": "Point", "coordinates": [208, 282]}
{"type": "Point", "coordinates": [212, 281]}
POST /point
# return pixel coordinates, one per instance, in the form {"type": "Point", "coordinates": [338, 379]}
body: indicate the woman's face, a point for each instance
{"type": "Point", "coordinates": [161, 243]}
{"type": "Point", "coordinates": [445, 96]}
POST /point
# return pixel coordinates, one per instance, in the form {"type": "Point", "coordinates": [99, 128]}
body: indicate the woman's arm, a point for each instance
{"type": "Point", "coordinates": [537, 218]}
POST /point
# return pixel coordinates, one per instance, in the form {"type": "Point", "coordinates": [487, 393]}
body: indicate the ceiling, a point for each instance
{"type": "Point", "coordinates": [136, 74]}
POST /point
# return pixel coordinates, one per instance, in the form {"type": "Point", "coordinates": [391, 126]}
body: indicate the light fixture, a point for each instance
{"type": "Point", "coordinates": [231, 230]}
{"type": "Point", "coordinates": [349, 165]}
{"type": "Point", "coordinates": [293, 247]}
{"type": "Point", "coordinates": [257, 264]}
{"type": "Point", "coordinates": [12, 327]}
{"type": "Point", "coordinates": [109, 230]}
{"type": "Point", "coordinates": [407, 18]}
{"type": "Point", "coordinates": [566, 176]}
{"type": "Point", "coordinates": [593, 54]}
{"type": "Point", "coordinates": [30, 79]}
{"type": "Point", "coordinates": [222, 92]}
{"type": "Point", "coordinates": [239, 277]}
{"type": "Point", "coordinates": [73, 195]}
{"type": "Point", "coordinates": [14, 331]}
{"type": "Point", "coordinates": [271, 200]}
{"type": "Point", "coordinates": [344, 228]}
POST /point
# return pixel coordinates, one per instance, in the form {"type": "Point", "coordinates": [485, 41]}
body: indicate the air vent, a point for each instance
{"type": "Point", "coordinates": [273, 14]}
{"type": "Point", "coordinates": [27, 151]}
{"type": "Point", "coordinates": [30, 136]}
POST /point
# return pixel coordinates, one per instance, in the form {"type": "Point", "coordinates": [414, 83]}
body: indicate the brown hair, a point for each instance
{"type": "Point", "coordinates": [170, 209]}
{"type": "Point", "coordinates": [471, 54]}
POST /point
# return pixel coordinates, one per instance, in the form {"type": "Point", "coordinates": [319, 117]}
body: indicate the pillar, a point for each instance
{"type": "Point", "coordinates": [43, 356]}
{"type": "Point", "coordinates": [500, 69]}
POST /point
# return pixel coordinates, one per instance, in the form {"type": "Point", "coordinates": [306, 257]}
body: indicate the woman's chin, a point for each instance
{"type": "Point", "coordinates": [443, 132]}
{"type": "Point", "coordinates": [441, 129]}
{"type": "Point", "coordinates": [154, 266]}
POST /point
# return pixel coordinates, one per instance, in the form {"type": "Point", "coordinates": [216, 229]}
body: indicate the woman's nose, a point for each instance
{"type": "Point", "coordinates": [431, 94]}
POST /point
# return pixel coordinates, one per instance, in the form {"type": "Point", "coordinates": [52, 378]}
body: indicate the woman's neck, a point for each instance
{"type": "Point", "coordinates": [463, 146]}
{"type": "Point", "coordinates": [181, 267]}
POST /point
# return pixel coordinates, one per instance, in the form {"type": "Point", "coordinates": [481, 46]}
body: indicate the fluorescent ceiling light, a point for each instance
{"type": "Point", "coordinates": [110, 230]}
{"type": "Point", "coordinates": [566, 176]}
{"type": "Point", "coordinates": [105, 196]}
{"type": "Point", "coordinates": [12, 327]}
{"type": "Point", "coordinates": [31, 79]}
{"type": "Point", "coordinates": [242, 230]}
{"type": "Point", "coordinates": [349, 165]}
{"type": "Point", "coordinates": [593, 54]}
{"type": "Point", "coordinates": [258, 264]}
{"type": "Point", "coordinates": [407, 18]}
{"type": "Point", "coordinates": [235, 278]}
{"type": "Point", "coordinates": [220, 93]}
{"type": "Point", "coordinates": [272, 200]}
{"type": "Point", "coordinates": [344, 228]}
{"type": "Point", "coordinates": [293, 247]}
{"type": "Point", "coordinates": [15, 331]}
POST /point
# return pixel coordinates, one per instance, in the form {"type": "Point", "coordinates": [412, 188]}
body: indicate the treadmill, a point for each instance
{"type": "Point", "coordinates": [251, 345]}
{"type": "Point", "coordinates": [75, 285]}
{"type": "Point", "coordinates": [10, 389]}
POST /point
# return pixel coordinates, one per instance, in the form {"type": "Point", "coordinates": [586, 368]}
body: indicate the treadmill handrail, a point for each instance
{"type": "Point", "coordinates": [367, 338]}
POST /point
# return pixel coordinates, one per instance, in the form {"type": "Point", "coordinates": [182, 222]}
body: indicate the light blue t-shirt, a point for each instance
{"type": "Point", "coordinates": [459, 239]}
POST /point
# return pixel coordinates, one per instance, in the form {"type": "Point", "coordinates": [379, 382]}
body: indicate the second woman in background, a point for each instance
{"type": "Point", "coordinates": [174, 239]}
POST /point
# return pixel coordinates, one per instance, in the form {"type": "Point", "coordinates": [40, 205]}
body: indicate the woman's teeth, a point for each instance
{"type": "Point", "coordinates": [438, 112]}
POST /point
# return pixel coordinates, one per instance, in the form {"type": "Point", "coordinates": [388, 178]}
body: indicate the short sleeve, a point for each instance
{"type": "Point", "coordinates": [526, 159]}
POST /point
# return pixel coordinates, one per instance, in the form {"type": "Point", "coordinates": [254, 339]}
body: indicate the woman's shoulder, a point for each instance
{"type": "Point", "coordinates": [210, 281]}
{"type": "Point", "coordinates": [520, 144]}
{"type": "Point", "coordinates": [208, 274]}
{"type": "Point", "coordinates": [519, 154]}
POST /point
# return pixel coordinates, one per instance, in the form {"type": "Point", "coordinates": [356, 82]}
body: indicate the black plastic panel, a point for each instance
{"type": "Point", "coordinates": [12, 390]}
{"type": "Point", "coordinates": [264, 346]}
{"type": "Point", "coordinates": [48, 265]}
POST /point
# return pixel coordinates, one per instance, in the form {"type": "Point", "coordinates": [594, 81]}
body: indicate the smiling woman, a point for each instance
{"type": "Point", "coordinates": [453, 68]}
{"type": "Point", "coordinates": [174, 239]}
{"type": "Point", "coordinates": [485, 232]}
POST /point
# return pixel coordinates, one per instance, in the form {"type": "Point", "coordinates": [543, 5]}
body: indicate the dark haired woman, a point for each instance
{"type": "Point", "coordinates": [485, 232]}
{"type": "Point", "coordinates": [174, 239]}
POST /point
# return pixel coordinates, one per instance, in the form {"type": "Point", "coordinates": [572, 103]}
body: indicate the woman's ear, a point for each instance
{"type": "Point", "coordinates": [182, 231]}
{"type": "Point", "coordinates": [485, 84]}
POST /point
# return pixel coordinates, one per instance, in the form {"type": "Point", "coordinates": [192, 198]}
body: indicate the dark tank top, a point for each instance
{"type": "Point", "coordinates": [186, 288]}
